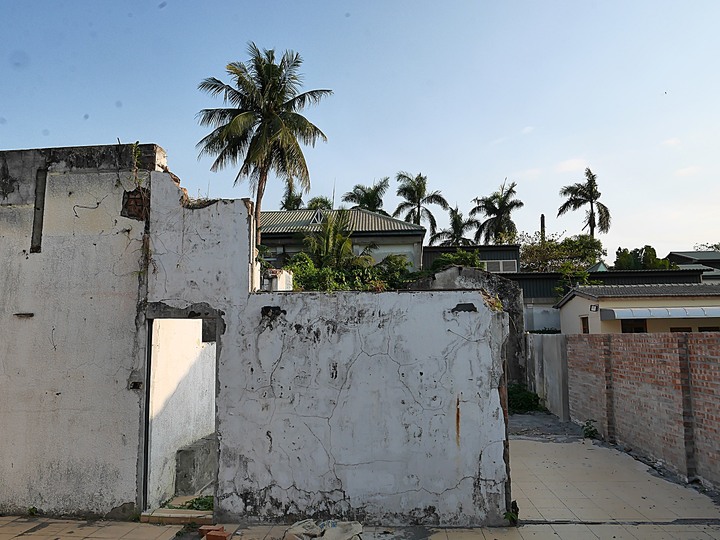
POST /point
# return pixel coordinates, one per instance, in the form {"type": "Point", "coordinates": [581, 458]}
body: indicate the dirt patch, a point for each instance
{"type": "Point", "coordinates": [541, 426]}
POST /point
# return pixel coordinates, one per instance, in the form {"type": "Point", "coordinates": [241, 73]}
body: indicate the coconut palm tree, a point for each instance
{"type": "Point", "coordinates": [260, 124]}
{"type": "Point", "coordinates": [587, 193]}
{"type": "Point", "coordinates": [292, 200]}
{"type": "Point", "coordinates": [499, 227]}
{"type": "Point", "coordinates": [414, 190]}
{"type": "Point", "coordinates": [454, 235]}
{"type": "Point", "coordinates": [369, 197]}
{"type": "Point", "coordinates": [319, 203]}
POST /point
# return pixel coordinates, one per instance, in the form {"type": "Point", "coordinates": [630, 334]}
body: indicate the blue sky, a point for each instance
{"type": "Point", "coordinates": [466, 92]}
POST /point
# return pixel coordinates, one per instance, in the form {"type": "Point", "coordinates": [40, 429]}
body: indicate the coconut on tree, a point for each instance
{"type": "Point", "coordinates": [498, 227]}
{"type": "Point", "coordinates": [586, 194]}
{"type": "Point", "coordinates": [260, 126]}
{"type": "Point", "coordinates": [417, 198]}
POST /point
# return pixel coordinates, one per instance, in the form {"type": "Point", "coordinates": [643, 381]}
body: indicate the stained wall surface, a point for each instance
{"type": "Point", "coordinates": [70, 349]}
{"type": "Point", "coordinates": [382, 407]}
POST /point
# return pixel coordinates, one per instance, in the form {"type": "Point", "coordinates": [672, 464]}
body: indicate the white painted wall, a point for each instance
{"type": "Point", "coordinates": [383, 406]}
{"type": "Point", "coordinates": [69, 424]}
{"type": "Point", "coordinates": [182, 398]}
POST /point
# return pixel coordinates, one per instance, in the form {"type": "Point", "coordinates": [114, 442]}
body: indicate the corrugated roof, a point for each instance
{"type": "Point", "coordinates": [641, 291]}
{"type": "Point", "coordinates": [361, 221]}
{"type": "Point", "coordinates": [698, 255]}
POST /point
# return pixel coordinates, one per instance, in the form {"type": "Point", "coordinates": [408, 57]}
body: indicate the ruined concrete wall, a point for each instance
{"type": "Point", "coordinates": [199, 253]}
{"type": "Point", "coordinates": [548, 371]}
{"type": "Point", "coordinates": [182, 399]}
{"type": "Point", "coordinates": [509, 293]}
{"type": "Point", "coordinates": [381, 407]}
{"type": "Point", "coordinates": [70, 351]}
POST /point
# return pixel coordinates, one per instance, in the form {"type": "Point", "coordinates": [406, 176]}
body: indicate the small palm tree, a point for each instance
{"type": "Point", "coordinates": [368, 197]}
{"type": "Point", "coordinates": [587, 193]}
{"type": "Point", "coordinates": [292, 200]}
{"type": "Point", "coordinates": [331, 247]}
{"type": "Point", "coordinates": [260, 125]}
{"type": "Point", "coordinates": [319, 203]}
{"type": "Point", "coordinates": [414, 190]}
{"type": "Point", "coordinates": [499, 227]}
{"type": "Point", "coordinates": [454, 235]}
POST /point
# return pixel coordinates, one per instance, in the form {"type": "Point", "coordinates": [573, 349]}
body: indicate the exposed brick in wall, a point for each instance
{"type": "Point", "coordinates": [586, 380]}
{"type": "Point", "coordinates": [704, 352]}
{"type": "Point", "coordinates": [656, 393]}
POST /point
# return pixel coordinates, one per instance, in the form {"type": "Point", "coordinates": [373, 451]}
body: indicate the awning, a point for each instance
{"type": "Point", "coordinates": [659, 313]}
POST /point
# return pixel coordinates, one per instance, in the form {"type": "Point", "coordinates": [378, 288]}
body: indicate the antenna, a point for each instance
{"type": "Point", "coordinates": [333, 197]}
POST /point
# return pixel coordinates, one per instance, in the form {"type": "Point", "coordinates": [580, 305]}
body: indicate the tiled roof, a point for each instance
{"type": "Point", "coordinates": [670, 289]}
{"type": "Point", "coordinates": [361, 221]}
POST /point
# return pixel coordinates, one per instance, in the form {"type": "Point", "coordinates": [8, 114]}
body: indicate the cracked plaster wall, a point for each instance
{"type": "Point", "coordinates": [381, 407]}
{"type": "Point", "coordinates": [70, 425]}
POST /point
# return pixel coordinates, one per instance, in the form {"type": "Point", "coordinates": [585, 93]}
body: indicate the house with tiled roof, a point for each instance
{"type": "Point", "coordinates": [283, 233]}
{"type": "Point", "coordinates": [611, 309]}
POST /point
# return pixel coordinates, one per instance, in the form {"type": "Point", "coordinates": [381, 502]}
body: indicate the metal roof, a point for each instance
{"type": "Point", "coordinates": [697, 255]}
{"type": "Point", "coordinates": [361, 221]}
{"type": "Point", "coordinates": [595, 292]}
{"type": "Point", "coordinates": [659, 313]}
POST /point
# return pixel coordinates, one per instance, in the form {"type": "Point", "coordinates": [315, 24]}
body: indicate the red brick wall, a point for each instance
{"type": "Point", "coordinates": [656, 393]}
{"type": "Point", "coordinates": [586, 379]}
{"type": "Point", "coordinates": [647, 396]}
{"type": "Point", "coordinates": [704, 353]}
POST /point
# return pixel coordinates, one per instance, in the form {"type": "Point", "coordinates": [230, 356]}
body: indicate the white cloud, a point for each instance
{"type": "Point", "coordinates": [498, 141]}
{"type": "Point", "coordinates": [673, 141]}
{"type": "Point", "coordinates": [688, 171]}
{"type": "Point", "coordinates": [571, 165]}
{"type": "Point", "coordinates": [527, 130]}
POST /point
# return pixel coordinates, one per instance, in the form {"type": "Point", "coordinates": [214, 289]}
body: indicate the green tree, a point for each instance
{"type": "Point", "coordinates": [553, 254]}
{"type": "Point", "coordinates": [644, 258]}
{"type": "Point", "coordinates": [454, 235]}
{"type": "Point", "coordinates": [459, 258]}
{"type": "Point", "coordinates": [498, 228]}
{"type": "Point", "coordinates": [292, 200]}
{"type": "Point", "coordinates": [260, 124]}
{"type": "Point", "coordinates": [586, 194]}
{"type": "Point", "coordinates": [319, 203]}
{"type": "Point", "coordinates": [415, 192]}
{"type": "Point", "coordinates": [369, 197]}
{"type": "Point", "coordinates": [331, 246]}
{"type": "Point", "coordinates": [707, 247]}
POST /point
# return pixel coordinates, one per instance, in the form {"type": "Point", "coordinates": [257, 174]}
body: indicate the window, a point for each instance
{"type": "Point", "coordinates": [709, 329]}
{"type": "Point", "coordinates": [585, 325]}
{"type": "Point", "coordinates": [634, 326]}
{"type": "Point", "coordinates": [501, 266]}
{"type": "Point", "coordinates": [680, 329]}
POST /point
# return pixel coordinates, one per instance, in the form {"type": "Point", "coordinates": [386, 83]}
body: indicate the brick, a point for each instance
{"type": "Point", "coordinates": [218, 535]}
{"type": "Point", "coordinates": [205, 529]}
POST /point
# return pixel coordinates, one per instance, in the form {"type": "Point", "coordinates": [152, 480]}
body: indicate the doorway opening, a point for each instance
{"type": "Point", "coordinates": [180, 457]}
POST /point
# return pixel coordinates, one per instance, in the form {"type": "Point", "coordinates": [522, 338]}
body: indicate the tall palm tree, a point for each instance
{"type": "Point", "coordinates": [499, 227]}
{"type": "Point", "coordinates": [369, 197]}
{"type": "Point", "coordinates": [587, 193]}
{"type": "Point", "coordinates": [414, 190]}
{"type": "Point", "coordinates": [292, 200]}
{"type": "Point", "coordinates": [454, 235]}
{"type": "Point", "coordinates": [260, 124]}
{"type": "Point", "coordinates": [319, 203]}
